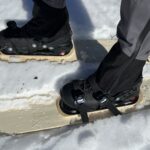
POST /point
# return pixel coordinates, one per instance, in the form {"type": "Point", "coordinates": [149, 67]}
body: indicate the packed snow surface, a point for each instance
{"type": "Point", "coordinates": [24, 84]}
{"type": "Point", "coordinates": [89, 19]}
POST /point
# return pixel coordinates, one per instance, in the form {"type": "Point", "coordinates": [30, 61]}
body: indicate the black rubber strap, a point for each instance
{"type": "Point", "coordinates": [84, 116]}
{"type": "Point", "coordinates": [105, 102]}
{"type": "Point", "coordinates": [83, 113]}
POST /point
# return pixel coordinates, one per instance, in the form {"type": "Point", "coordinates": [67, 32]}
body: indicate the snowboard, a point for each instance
{"type": "Point", "coordinates": [43, 117]}
{"type": "Point", "coordinates": [82, 47]}
{"type": "Point", "coordinates": [47, 116]}
{"type": "Point", "coordinates": [24, 58]}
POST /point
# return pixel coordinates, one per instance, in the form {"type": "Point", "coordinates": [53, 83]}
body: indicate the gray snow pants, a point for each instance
{"type": "Point", "coordinates": [135, 15]}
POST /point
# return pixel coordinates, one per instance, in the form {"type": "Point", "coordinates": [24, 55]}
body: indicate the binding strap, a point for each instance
{"type": "Point", "coordinates": [84, 115]}
{"type": "Point", "coordinates": [105, 102]}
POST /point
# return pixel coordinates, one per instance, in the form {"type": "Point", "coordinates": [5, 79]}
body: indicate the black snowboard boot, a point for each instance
{"type": "Point", "coordinates": [116, 83]}
{"type": "Point", "coordinates": [82, 96]}
{"type": "Point", "coordinates": [86, 96]}
{"type": "Point", "coordinates": [47, 33]}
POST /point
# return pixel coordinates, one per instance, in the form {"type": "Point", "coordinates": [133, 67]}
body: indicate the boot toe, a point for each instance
{"type": "Point", "coordinates": [66, 95]}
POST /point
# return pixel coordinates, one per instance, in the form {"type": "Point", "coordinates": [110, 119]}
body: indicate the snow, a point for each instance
{"type": "Point", "coordinates": [37, 82]}
{"type": "Point", "coordinates": [94, 19]}
{"type": "Point", "coordinates": [89, 19]}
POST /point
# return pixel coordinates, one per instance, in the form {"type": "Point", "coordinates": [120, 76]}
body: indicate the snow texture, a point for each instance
{"type": "Point", "coordinates": [89, 19]}
{"type": "Point", "coordinates": [24, 84]}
